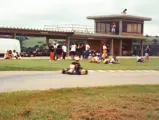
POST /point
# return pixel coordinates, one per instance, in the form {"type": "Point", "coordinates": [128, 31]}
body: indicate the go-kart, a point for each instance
{"type": "Point", "coordinates": [71, 71]}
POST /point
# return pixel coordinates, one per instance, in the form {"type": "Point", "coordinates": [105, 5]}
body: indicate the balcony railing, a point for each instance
{"type": "Point", "coordinates": [71, 27]}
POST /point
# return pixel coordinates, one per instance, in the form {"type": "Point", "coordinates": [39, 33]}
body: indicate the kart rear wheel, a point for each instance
{"type": "Point", "coordinates": [63, 71]}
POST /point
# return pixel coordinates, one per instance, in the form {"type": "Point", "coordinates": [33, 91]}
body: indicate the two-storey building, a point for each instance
{"type": "Point", "coordinates": [127, 28]}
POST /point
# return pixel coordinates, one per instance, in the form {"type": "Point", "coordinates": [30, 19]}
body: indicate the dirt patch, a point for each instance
{"type": "Point", "coordinates": [105, 114]}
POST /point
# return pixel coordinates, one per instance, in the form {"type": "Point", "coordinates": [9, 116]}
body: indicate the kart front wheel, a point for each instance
{"type": "Point", "coordinates": [86, 72]}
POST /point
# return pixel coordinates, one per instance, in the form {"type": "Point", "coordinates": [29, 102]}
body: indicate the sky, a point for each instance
{"type": "Point", "coordinates": [37, 13]}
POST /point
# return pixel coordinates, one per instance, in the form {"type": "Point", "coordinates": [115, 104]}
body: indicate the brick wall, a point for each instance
{"type": "Point", "coordinates": [116, 47]}
{"type": "Point", "coordinates": [95, 45]}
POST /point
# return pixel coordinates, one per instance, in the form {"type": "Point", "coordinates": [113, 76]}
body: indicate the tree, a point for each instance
{"type": "Point", "coordinates": [155, 41]}
{"type": "Point", "coordinates": [21, 39]}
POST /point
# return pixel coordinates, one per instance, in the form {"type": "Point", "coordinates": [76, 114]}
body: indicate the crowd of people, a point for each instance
{"type": "Point", "coordinates": [58, 51]}
{"type": "Point", "coordinates": [12, 55]}
{"type": "Point", "coordinates": [83, 51]}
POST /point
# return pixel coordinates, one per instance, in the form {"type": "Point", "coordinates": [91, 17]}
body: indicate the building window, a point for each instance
{"type": "Point", "coordinates": [107, 28]}
{"type": "Point", "coordinates": [102, 28]}
{"type": "Point", "coordinates": [134, 28]}
{"type": "Point", "coordinates": [129, 28]}
{"type": "Point", "coordinates": [139, 28]}
{"type": "Point", "coordinates": [98, 27]}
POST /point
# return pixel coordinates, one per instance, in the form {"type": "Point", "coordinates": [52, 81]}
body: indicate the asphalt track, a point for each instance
{"type": "Point", "coordinates": [43, 80]}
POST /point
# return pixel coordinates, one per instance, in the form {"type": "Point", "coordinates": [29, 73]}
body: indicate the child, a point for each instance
{"type": "Point", "coordinates": [106, 60]}
{"type": "Point", "coordinates": [139, 59]}
{"type": "Point", "coordinates": [95, 59]}
{"type": "Point", "coordinates": [114, 60]}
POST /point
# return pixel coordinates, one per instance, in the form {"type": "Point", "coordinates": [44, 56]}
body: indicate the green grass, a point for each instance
{"type": "Point", "coordinates": [46, 65]}
{"type": "Point", "coordinates": [133, 102]}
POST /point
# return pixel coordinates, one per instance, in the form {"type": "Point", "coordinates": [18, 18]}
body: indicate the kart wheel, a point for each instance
{"type": "Point", "coordinates": [86, 72]}
{"type": "Point", "coordinates": [63, 71]}
{"type": "Point", "coordinates": [79, 73]}
{"type": "Point", "coordinates": [73, 73]}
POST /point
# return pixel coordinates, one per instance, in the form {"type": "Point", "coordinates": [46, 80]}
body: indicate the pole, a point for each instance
{"type": "Point", "coordinates": [112, 47]}
{"type": "Point", "coordinates": [120, 54]}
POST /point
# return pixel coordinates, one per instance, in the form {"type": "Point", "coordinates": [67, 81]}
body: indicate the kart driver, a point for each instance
{"type": "Point", "coordinates": [77, 65]}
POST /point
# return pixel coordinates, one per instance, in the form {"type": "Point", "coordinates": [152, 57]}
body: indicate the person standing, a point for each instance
{"type": "Point", "coordinates": [59, 51]}
{"type": "Point", "coordinates": [73, 50]}
{"type": "Point", "coordinates": [64, 49]}
{"type": "Point", "coordinates": [55, 51]}
{"type": "Point", "coordinates": [113, 28]}
{"type": "Point", "coordinates": [87, 50]}
{"type": "Point", "coordinates": [51, 49]}
{"type": "Point", "coordinates": [80, 50]}
{"type": "Point", "coordinates": [104, 50]}
{"type": "Point", "coordinates": [147, 53]}
{"type": "Point", "coordinates": [83, 48]}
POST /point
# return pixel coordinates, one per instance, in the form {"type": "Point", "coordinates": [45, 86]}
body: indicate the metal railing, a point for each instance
{"type": "Point", "coordinates": [71, 27]}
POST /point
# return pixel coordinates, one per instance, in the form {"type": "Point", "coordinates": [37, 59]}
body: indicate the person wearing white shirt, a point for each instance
{"type": "Point", "coordinates": [14, 54]}
{"type": "Point", "coordinates": [87, 47]}
{"type": "Point", "coordinates": [114, 60]}
{"type": "Point", "coordinates": [139, 59]}
{"type": "Point", "coordinates": [64, 48]}
{"type": "Point", "coordinates": [73, 50]}
{"type": "Point", "coordinates": [87, 50]}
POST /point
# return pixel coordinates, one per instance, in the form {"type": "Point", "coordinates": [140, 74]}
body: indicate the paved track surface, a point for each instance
{"type": "Point", "coordinates": [15, 81]}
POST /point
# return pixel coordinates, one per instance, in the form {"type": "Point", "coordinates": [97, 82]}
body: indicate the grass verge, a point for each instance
{"type": "Point", "coordinates": [46, 65]}
{"type": "Point", "coordinates": [133, 102]}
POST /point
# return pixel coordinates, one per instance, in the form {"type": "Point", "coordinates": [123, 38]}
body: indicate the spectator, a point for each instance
{"type": "Point", "coordinates": [10, 54]}
{"type": "Point", "coordinates": [64, 49]}
{"type": "Point", "coordinates": [73, 50]}
{"type": "Point", "coordinates": [139, 59]}
{"type": "Point", "coordinates": [19, 56]}
{"type": "Point", "coordinates": [104, 50]}
{"type": "Point", "coordinates": [114, 60]}
{"type": "Point", "coordinates": [79, 50]}
{"type": "Point", "coordinates": [113, 29]}
{"type": "Point", "coordinates": [83, 50]}
{"type": "Point", "coordinates": [59, 51]}
{"type": "Point", "coordinates": [15, 54]}
{"type": "Point", "coordinates": [147, 53]}
{"type": "Point", "coordinates": [106, 60]}
{"type": "Point", "coordinates": [55, 51]}
{"type": "Point", "coordinates": [6, 55]}
{"type": "Point", "coordinates": [95, 59]}
{"type": "Point", "coordinates": [51, 50]}
{"type": "Point", "coordinates": [87, 51]}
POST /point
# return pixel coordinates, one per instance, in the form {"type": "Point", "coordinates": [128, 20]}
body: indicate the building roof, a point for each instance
{"type": "Point", "coordinates": [103, 36]}
{"type": "Point", "coordinates": [120, 16]}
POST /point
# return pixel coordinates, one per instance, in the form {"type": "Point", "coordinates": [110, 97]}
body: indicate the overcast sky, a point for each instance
{"type": "Point", "coordinates": [37, 13]}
